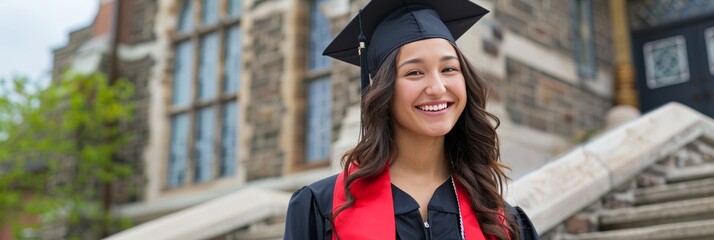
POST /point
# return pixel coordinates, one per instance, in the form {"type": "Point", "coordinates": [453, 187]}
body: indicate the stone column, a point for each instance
{"type": "Point", "coordinates": [625, 92]}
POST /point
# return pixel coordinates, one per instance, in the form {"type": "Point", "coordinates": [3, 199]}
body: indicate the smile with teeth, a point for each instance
{"type": "Point", "coordinates": [433, 108]}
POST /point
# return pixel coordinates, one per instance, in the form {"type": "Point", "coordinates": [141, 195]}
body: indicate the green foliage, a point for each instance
{"type": "Point", "coordinates": [57, 146]}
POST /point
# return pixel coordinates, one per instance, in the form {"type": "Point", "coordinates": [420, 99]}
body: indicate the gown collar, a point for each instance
{"type": "Point", "coordinates": [443, 200]}
{"type": "Point", "coordinates": [374, 209]}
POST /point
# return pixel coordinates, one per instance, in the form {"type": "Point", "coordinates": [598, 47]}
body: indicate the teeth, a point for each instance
{"type": "Point", "coordinates": [437, 107]}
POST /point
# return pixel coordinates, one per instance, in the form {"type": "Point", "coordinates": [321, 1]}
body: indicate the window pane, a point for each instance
{"type": "Point", "coordinates": [319, 37]}
{"type": "Point", "coordinates": [203, 170]}
{"type": "Point", "coordinates": [228, 143]}
{"type": "Point", "coordinates": [583, 45]}
{"type": "Point", "coordinates": [210, 12]}
{"type": "Point", "coordinates": [207, 67]}
{"type": "Point", "coordinates": [178, 150]}
{"type": "Point", "coordinates": [186, 17]}
{"type": "Point", "coordinates": [183, 72]}
{"type": "Point", "coordinates": [233, 60]}
{"type": "Point", "coordinates": [319, 116]}
{"type": "Point", "coordinates": [235, 8]}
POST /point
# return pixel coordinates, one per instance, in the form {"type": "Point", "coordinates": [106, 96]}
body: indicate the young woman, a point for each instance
{"type": "Point", "coordinates": [427, 163]}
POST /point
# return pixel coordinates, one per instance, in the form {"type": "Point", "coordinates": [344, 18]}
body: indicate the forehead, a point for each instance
{"type": "Point", "coordinates": [428, 48]}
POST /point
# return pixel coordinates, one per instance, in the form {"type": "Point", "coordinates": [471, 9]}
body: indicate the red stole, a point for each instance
{"type": "Point", "coordinates": [372, 215]}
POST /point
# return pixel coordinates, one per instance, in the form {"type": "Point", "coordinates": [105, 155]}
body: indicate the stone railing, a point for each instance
{"type": "Point", "coordinates": [217, 217]}
{"type": "Point", "coordinates": [578, 178]}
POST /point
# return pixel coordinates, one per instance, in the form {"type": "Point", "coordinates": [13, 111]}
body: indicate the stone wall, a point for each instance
{"type": "Point", "coordinates": [62, 57]}
{"type": "Point", "coordinates": [543, 102]}
{"type": "Point", "coordinates": [549, 24]}
{"type": "Point", "coordinates": [136, 27]}
{"type": "Point", "coordinates": [130, 189]}
{"type": "Point", "coordinates": [265, 107]}
{"type": "Point", "coordinates": [137, 21]}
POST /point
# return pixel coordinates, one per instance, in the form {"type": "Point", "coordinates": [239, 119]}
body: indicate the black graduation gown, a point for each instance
{"type": "Point", "coordinates": [309, 209]}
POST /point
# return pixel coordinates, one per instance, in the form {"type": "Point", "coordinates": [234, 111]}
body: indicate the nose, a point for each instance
{"type": "Point", "coordinates": [436, 86]}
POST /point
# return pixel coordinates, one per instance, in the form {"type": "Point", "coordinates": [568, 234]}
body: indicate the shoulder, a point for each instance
{"type": "Point", "coordinates": [318, 193]}
{"type": "Point", "coordinates": [525, 225]}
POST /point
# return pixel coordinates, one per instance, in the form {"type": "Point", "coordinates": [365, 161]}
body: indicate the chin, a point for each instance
{"type": "Point", "coordinates": [437, 132]}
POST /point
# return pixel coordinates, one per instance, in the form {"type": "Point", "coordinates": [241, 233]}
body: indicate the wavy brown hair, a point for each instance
{"type": "Point", "coordinates": [471, 146]}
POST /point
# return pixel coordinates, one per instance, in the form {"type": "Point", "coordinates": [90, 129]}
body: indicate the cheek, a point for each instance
{"type": "Point", "coordinates": [404, 93]}
{"type": "Point", "coordinates": [459, 88]}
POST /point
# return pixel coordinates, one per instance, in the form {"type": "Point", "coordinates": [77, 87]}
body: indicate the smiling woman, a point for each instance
{"type": "Point", "coordinates": [427, 164]}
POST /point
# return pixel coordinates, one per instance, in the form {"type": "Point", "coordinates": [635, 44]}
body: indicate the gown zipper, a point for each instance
{"type": "Point", "coordinates": [427, 229]}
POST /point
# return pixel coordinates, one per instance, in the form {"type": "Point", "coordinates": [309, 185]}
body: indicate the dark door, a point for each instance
{"type": "Point", "coordinates": [675, 63]}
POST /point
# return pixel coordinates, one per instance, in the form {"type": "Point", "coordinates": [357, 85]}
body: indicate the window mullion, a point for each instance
{"type": "Point", "coordinates": [192, 161]}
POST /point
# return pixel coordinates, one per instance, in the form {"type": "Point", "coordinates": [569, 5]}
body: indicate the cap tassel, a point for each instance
{"type": "Point", "coordinates": [362, 51]}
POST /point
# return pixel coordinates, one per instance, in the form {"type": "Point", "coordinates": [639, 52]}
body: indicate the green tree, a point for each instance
{"type": "Point", "coordinates": [57, 147]}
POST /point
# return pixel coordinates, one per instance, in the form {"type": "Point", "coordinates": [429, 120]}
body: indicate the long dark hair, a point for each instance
{"type": "Point", "coordinates": [471, 146]}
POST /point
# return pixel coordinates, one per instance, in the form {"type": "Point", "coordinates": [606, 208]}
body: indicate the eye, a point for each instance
{"type": "Point", "coordinates": [414, 73]}
{"type": "Point", "coordinates": [449, 69]}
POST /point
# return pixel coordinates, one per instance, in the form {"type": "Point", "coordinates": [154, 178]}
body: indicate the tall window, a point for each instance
{"type": "Point", "coordinates": [318, 91]}
{"type": "Point", "coordinates": [583, 37]}
{"type": "Point", "coordinates": [205, 83]}
{"type": "Point", "coordinates": [319, 37]}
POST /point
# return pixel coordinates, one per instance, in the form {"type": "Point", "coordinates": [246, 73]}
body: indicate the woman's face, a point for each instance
{"type": "Point", "coordinates": [429, 90]}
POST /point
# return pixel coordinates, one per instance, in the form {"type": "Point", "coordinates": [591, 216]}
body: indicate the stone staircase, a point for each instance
{"type": "Point", "coordinates": [673, 199]}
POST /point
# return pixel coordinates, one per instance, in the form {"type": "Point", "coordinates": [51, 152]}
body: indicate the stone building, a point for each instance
{"type": "Point", "coordinates": [233, 94]}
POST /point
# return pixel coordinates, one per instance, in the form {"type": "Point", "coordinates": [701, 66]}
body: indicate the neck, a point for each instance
{"type": "Point", "coordinates": [420, 157]}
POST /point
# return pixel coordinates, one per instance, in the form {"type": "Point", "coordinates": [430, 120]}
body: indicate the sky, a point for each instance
{"type": "Point", "coordinates": [31, 29]}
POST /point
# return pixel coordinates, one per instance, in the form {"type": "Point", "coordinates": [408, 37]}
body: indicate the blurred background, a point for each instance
{"type": "Point", "coordinates": [197, 119]}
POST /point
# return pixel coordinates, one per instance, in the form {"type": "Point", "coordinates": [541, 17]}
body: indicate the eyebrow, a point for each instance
{"type": "Point", "coordinates": [419, 60]}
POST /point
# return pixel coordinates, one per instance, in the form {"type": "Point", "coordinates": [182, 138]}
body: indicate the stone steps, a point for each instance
{"type": "Point", "coordinates": [691, 173]}
{"type": "Point", "coordinates": [654, 214]}
{"type": "Point", "coordinates": [703, 229]}
{"type": "Point", "coordinates": [683, 208]}
{"type": "Point", "coordinates": [676, 191]}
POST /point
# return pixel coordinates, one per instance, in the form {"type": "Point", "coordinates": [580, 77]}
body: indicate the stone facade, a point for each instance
{"type": "Point", "coordinates": [540, 98]}
{"type": "Point", "coordinates": [136, 27]}
{"type": "Point", "coordinates": [137, 21]}
{"type": "Point", "coordinates": [266, 106]}
{"type": "Point", "coordinates": [546, 103]}
{"type": "Point", "coordinates": [130, 189]}
{"type": "Point", "coordinates": [549, 23]}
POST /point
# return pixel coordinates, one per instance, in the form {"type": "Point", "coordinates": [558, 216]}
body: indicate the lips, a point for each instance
{"type": "Point", "coordinates": [433, 107]}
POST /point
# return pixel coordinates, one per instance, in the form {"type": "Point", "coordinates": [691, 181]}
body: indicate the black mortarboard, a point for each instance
{"type": "Point", "coordinates": [385, 25]}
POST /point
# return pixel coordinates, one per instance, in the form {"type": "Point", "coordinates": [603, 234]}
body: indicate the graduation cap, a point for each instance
{"type": "Point", "coordinates": [385, 25]}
